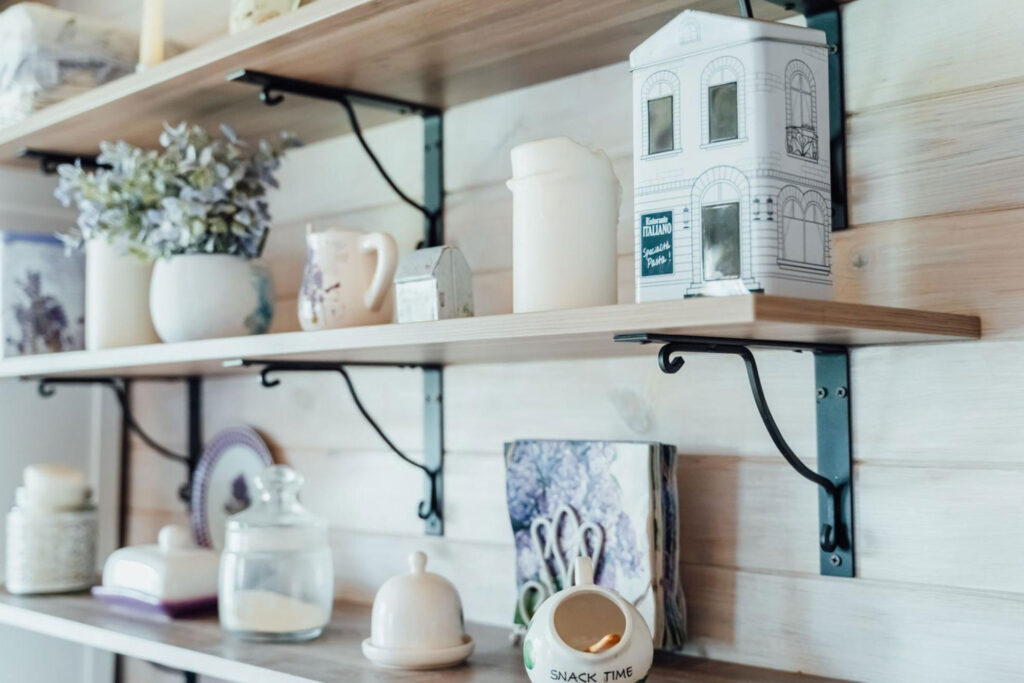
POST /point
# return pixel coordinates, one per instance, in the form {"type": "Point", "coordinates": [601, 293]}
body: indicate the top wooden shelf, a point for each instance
{"type": "Point", "coordinates": [439, 52]}
{"type": "Point", "coordinates": [550, 335]}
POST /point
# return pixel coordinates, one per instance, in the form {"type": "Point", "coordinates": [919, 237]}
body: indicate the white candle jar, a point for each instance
{"type": "Point", "coordinates": [246, 13]}
{"type": "Point", "coordinates": [50, 551]}
{"type": "Point", "coordinates": [276, 571]}
{"type": "Point", "coordinates": [565, 211]}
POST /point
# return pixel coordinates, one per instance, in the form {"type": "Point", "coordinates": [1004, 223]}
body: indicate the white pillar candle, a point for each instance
{"type": "Point", "coordinates": [565, 210]}
{"type": "Point", "coordinates": [151, 39]}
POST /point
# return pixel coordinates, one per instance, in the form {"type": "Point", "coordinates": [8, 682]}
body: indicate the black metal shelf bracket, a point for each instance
{"type": "Point", "coordinates": [49, 160]}
{"type": "Point", "coordinates": [432, 207]}
{"type": "Point", "coordinates": [431, 509]}
{"type": "Point", "coordinates": [121, 387]}
{"type": "Point", "coordinates": [825, 15]}
{"type": "Point", "coordinates": [832, 391]}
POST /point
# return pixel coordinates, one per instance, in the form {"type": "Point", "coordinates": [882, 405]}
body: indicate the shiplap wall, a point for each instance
{"type": "Point", "coordinates": [936, 153]}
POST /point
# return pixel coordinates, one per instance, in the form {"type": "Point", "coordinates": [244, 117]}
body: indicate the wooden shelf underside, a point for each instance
{"type": "Point", "coordinates": [440, 52]}
{"type": "Point", "coordinates": [551, 335]}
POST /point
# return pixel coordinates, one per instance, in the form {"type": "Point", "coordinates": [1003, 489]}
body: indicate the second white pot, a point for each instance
{"type": "Point", "coordinates": [206, 296]}
{"type": "Point", "coordinates": [116, 299]}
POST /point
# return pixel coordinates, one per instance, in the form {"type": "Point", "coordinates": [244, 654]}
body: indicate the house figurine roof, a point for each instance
{"type": "Point", "coordinates": [693, 31]}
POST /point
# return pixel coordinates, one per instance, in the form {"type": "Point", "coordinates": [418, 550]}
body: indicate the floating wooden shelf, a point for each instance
{"type": "Point", "coordinates": [199, 645]}
{"type": "Point", "coordinates": [552, 335]}
{"type": "Point", "coordinates": [428, 51]}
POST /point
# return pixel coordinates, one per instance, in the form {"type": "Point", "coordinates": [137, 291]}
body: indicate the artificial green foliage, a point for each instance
{"type": "Point", "coordinates": [197, 195]}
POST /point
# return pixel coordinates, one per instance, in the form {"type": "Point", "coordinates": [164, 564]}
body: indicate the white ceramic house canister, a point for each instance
{"type": "Point", "coordinates": [565, 210]}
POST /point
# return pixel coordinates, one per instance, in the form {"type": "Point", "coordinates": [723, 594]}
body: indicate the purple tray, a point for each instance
{"type": "Point", "coordinates": [147, 604]}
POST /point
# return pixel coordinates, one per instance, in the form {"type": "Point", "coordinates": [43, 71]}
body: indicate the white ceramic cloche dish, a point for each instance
{"type": "Point", "coordinates": [587, 633]}
{"type": "Point", "coordinates": [175, 577]}
{"type": "Point", "coordinates": [417, 621]}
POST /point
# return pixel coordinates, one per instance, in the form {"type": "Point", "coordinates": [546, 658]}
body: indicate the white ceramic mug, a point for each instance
{"type": "Point", "coordinates": [348, 279]}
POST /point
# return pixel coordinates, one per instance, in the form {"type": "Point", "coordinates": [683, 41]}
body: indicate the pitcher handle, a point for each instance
{"type": "Point", "coordinates": [387, 261]}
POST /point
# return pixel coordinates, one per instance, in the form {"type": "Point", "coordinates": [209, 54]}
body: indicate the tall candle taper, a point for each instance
{"type": "Point", "coordinates": [151, 40]}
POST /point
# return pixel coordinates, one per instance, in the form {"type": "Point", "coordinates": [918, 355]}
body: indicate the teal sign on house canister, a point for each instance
{"type": "Point", "coordinates": [656, 243]}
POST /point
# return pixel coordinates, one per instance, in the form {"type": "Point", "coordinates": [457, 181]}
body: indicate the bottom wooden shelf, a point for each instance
{"type": "Point", "coordinates": [198, 645]}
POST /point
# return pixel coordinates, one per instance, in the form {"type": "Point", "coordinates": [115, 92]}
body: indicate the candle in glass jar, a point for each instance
{"type": "Point", "coordinates": [151, 39]}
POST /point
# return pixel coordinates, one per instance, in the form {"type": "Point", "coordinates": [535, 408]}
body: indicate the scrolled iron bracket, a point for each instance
{"type": "Point", "coordinates": [269, 97]}
{"type": "Point", "coordinates": [47, 387]}
{"type": "Point", "coordinates": [835, 537]}
{"type": "Point", "coordinates": [431, 509]}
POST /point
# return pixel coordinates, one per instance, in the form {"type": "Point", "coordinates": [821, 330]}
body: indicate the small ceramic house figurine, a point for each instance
{"type": "Point", "coordinates": [731, 154]}
{"type": "Point", "coordinates": [433, 284]}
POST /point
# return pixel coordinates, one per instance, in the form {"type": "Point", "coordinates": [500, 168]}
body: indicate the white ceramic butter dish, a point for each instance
{"type": "Point", "coordinates": [175, 577]}
{"type": "Point", "coordinates": [417, 622]}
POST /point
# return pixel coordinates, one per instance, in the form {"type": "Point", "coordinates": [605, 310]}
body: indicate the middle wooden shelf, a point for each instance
{"type": "Point", "coordinates": [549, 335]}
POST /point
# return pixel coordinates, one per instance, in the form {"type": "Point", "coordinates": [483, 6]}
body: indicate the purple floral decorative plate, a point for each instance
{"type": "Point", "coordinates": [223, 483]}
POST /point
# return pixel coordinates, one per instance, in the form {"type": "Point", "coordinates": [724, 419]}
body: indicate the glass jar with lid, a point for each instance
{"type": "Point", "coordinates": [276, 571]}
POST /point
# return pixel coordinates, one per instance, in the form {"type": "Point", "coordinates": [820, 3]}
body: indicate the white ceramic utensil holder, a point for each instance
{"type": "Point", "coordinates": [571, 624]}
{"type": "Point", "coordinates": [565, 210]}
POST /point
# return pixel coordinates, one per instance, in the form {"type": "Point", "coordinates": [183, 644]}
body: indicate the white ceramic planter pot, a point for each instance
{"type": "Point", "coordinates": [116, 299]}
{"type": "Point", "coordinates": [205, 296]}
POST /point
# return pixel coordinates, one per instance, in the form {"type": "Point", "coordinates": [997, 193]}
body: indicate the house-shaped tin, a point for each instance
{"type": "Point", "coordinates": [731, 159]}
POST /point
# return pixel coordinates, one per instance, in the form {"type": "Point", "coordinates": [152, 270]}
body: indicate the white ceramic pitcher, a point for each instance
{"type": "Point", "coordinates": [348, 279]}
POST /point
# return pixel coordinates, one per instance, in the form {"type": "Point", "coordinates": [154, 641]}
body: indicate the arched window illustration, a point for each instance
{"type": "Point", "coordinates": [801, 111]}
{"type": "Point", "coordinates": [689, 32]}
{"type": "Point", "coordinates": [660, 116]}
{"type": "Point", "coordinates": [804, 230]}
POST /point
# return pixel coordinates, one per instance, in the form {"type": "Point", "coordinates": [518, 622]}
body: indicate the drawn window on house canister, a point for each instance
{"type": "Point", "coordinates": [801, 111]}
{"type": "Point", "coordinates": [804, 234]}
{"type": "Point", "coordinates": [720, 231]}
{"type": "Point", "coordinates": [660, 118]}
{"type": "Point", "coordinates": [659, 123]}
{"type": "Point", "coordinates": [689, 32]}
{"type": "Point", "coordinates": [722, 101]}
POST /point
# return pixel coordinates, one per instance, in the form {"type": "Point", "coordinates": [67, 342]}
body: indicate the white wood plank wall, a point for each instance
{"type": "Point", "coordinates": [936, 96]}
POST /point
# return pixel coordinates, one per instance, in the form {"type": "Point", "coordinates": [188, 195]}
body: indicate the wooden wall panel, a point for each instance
{"type": "Point", "coordinates": [964, 263]}
{"type": "Point", "coordinates": [914, 49]}
{"type": "Point", "coordinates": [868, 630]}
{"type": "Point", "coordinates": [936, 199]}
{"type": "Point", "coordinates": [954, 153]}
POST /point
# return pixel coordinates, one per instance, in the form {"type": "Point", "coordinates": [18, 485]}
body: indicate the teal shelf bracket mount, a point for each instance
{"type": "Point", "coordinates": [834, 476]}
{"type": "Point", "coordinates": [273, 89]}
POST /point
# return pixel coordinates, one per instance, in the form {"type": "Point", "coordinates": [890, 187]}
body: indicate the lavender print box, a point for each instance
{"type": "Point", "coordinates": [42, 296]}
{"type": "Point", "coordinates": [568, 498]}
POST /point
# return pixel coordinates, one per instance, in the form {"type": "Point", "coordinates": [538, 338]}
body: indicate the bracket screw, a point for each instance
{"type": "Point", "coordinates": [835, 560]}
{"type": "Point", "coordinates": [822, 392]}
{"type": "Point", "coordinates": [841, 392]}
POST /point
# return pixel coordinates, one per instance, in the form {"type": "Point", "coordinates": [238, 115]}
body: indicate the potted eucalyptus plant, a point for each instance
{"type": "Point", "coordinates": [198, 209]}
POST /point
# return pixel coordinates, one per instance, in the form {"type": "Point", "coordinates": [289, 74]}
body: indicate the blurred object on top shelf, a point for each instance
{"type": "Point", "coordinates": [48, 55]}
{"type": "Point", "coordinates": [247, 13]}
